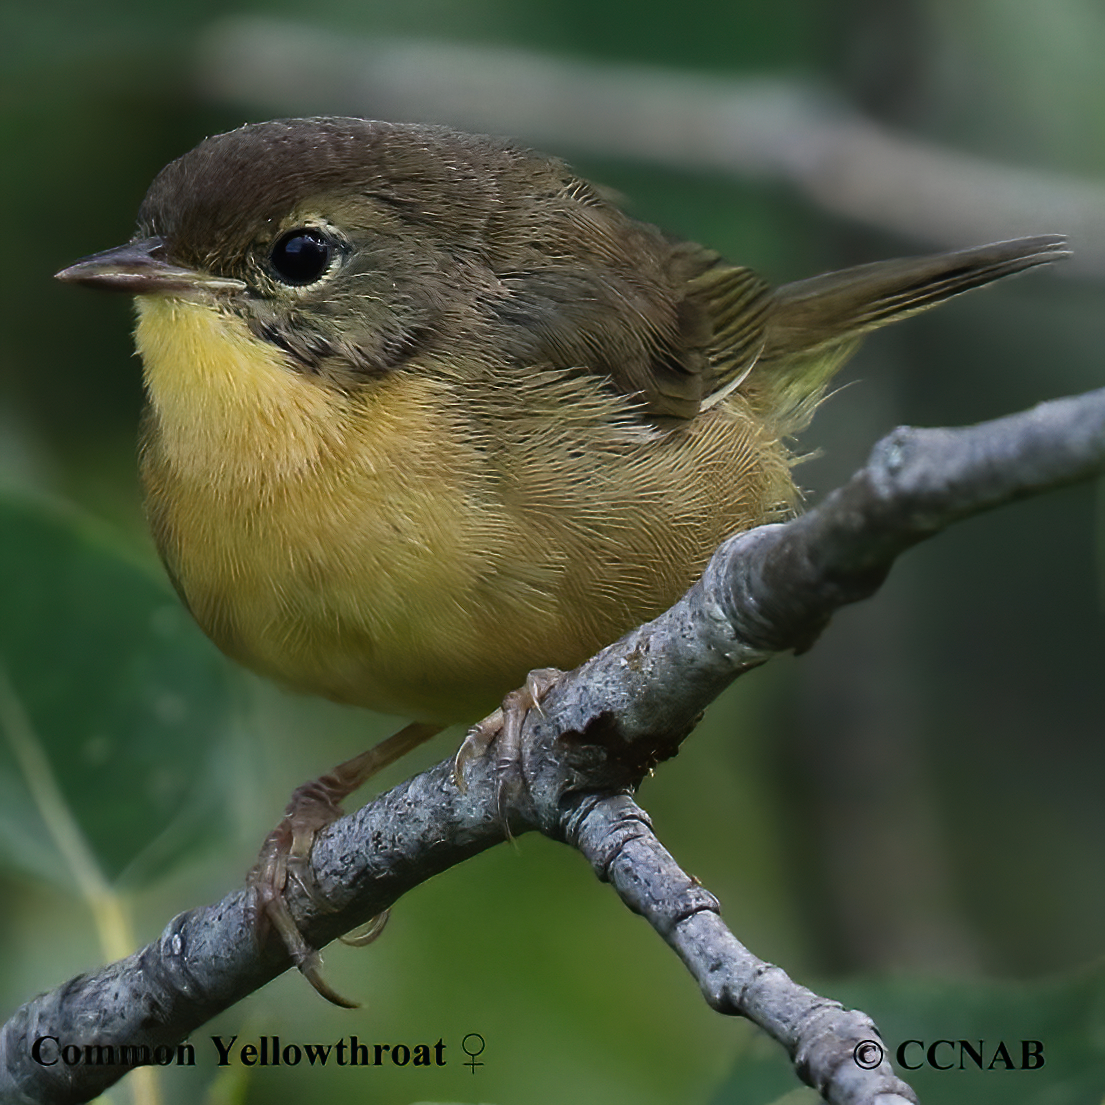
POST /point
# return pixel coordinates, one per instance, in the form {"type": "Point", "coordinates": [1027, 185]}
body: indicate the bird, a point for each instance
{"type": "Point", "coordinates": [427, 411]}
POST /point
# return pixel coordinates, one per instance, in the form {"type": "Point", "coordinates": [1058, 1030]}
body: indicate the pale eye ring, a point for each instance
{"type": "Point", "coordinates": [301, 256]}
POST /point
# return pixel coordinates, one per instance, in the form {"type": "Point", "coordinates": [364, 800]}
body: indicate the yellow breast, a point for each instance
{"type": "Point", "coordinates": [396, 547]}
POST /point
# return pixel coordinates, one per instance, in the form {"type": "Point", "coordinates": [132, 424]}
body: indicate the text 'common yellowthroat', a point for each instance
{"type": "Point", "coordinates": [427, 411]}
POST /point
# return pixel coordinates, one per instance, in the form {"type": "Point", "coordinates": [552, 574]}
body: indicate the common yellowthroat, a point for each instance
{"type": "Point", "coordinates": [427, 411]}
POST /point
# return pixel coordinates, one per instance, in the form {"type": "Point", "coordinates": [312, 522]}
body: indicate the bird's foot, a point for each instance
{"type": "Point", "coordinates": [503, 730]}
{"type": "Point", "coordinates": [286, 854]}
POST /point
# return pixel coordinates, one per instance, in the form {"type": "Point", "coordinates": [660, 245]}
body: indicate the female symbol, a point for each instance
{"type": "Point", "coordinates": [478, 1049]}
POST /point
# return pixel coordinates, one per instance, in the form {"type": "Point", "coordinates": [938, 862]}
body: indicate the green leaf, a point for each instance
{"type": "Point", "coordinates": [119, 688]}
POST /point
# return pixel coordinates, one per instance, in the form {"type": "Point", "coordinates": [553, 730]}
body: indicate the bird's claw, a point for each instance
{"type": "Point", "coordinates": [503, 730]}
{"type": "Point", "coordinates": [286, 855]}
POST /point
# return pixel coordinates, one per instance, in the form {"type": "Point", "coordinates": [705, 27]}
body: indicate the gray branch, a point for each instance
{"type": "Point", "coordinates": [770, 129]}
{"type": "Point", "coordinates": [601, 729]}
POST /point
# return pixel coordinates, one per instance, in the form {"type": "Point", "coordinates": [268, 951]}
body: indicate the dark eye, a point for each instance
{"type": "Point", "coordinates": [302, 256]}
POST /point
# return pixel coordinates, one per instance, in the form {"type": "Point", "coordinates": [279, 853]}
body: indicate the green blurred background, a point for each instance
{"type": "Point", "coordinates": [909, 818]}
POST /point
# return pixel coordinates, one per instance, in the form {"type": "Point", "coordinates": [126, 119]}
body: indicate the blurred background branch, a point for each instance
{"type": "Point", "coordinates": [789, 131]}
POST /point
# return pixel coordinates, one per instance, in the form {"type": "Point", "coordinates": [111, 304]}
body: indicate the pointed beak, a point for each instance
{"type": "Point", "coordinates": [140, 268]}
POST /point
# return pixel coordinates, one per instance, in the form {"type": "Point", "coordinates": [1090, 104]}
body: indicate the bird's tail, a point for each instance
{"type": "Point", "coordinates": [811, 327]}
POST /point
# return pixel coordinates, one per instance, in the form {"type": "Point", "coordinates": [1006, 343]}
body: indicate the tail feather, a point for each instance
{"type": "Point", "coordinates": [809, 313]}
{"type": "Point", "coordinates": [813, 326]}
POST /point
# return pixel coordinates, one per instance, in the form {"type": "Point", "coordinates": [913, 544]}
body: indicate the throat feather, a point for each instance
{"type": "Point", "coordinates": [225, 404]}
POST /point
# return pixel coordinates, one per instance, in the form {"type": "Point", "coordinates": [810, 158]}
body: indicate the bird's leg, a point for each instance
{"type": "Point", "coordinates": [286, 852]}
{"type": "Point", "coordinates": [503, 729]}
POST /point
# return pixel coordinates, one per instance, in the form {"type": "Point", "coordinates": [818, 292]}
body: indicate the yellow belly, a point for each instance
{"type": "Point", "coordinates": [418, 544]}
